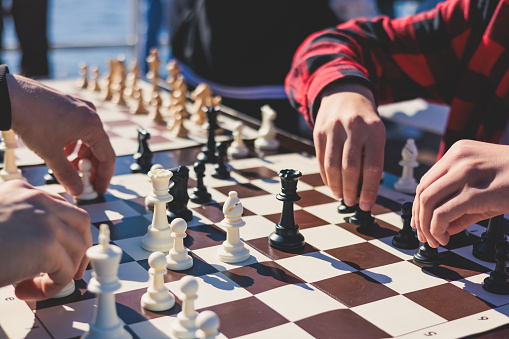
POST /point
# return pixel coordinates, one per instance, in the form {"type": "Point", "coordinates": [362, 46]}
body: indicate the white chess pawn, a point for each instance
{"type": "Point", "coordinates": [233, 250]}
{"type": "Point", "coordinates": [238, 148]}
{"type": "Point", "coordinates": [67, 290]}
{"type": "Point", "coordinates": [85, 167]}
{"type": "Point", "coordinates": [158, 234]}
{"type": "Point", "coordinates": [178, 258]}
{"type": "Point", "coordinates": [157, 297]}
{"type": "Point", "coordinates": [208, 324]}
{"type": "Point", "coordinates": [10, 170]}
{"type": "Point", "coordinates": [266, 140]}
{"type": "Point", "coordinates": [185, 326]}
{"type": "Point", "coordinates": [407, 183]}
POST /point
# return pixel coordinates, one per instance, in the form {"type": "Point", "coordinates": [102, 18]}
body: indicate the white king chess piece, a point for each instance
{"type": "Point", "coordinates": [233, 250]}
{"type": "Point", "coordinates": [266, 140]}
{"type": "Point", "coordinates": [10, 170]}
{"type": "Point", "coordinates": [407, 183]}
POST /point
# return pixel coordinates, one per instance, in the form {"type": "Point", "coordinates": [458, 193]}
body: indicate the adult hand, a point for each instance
{"type": "Point", "coordinates": [50, 123]}
{"type": "Point", "coordinates": [40, 232]}
{"type": "Point", "coordinates": [467, 185]}
{"type": "Point", "coordinates": [349, 141]}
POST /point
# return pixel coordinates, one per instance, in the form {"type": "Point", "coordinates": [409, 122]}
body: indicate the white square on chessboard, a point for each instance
{"type": "Point", "coordinates": [473, 285]}
{"type": "Point", "coordinates": [215, 195]}
{"type": "Point", "coordinates": [67, 321]}
{"type": "Point", "coordinates": [325, 190]}
{"type": "Point", "coordinates": [54, 189]}
{"type": "Point", "coordinates": [467, 253]}
{"type": "Point", "coordinates": [110, 210]}
{"type": "Point", "coordinates": [132, 246]}
{"type": "Point", "coordinates": [288, 330]}
{"type": "Point", "coordinates": [315, 266]}
{"type": "Point", "coordinates": [397, 315]}
{"type": "Point", "coordinates": [273, 185]}
{"type": "Point", "coordinates": [210, 181]}
{"type": "Point", "coordinates": [393, 195]}
{"type": "Point", "coordinates": [132, 277]}
{"type": "Point", "coordinates": [256, 227]}
{"type": "Point", "coordinates": [330, 236]}
{"type": "Point", "coordinates": [209, 255]}
{"type": "Point", "coordinates": [391, 218]}
{"type": "Point", "coordinates": [299, 301]}
{"type": "Point", "coordinates": [213, 289]}
{"type": "Point", "coordinates": [130, 186]}
{"type": "Point", "coordinates": [403, 277]}
{"type": "Point", "coordinates": [123, 146]}
{"type": "Point", "coordinates": [265, 204]}
{"type": "Point", "coordinates": [159, 328]}
{"type": "Point", "coordinates": [304, 163]}
{"type": "Point", "coordinates": [197, 220]}
{"type": "Point", "coordinates": [386, 245]}
{"type": "Point", "coordinates": [476, 230]}
{"type": "Point", "coordinates": [327, 212]}
{"type": "Point", "coordinates": [249, 163]}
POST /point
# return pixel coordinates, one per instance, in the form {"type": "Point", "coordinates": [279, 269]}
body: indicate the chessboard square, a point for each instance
{"type": "Point", "coordinates": [215, 196]}
{"type": "Point", "coordinates": [315, 266]}
{"type": "Point", "coordinates": [262, 245]}
{"type": "Point", "coordinates": [288, 330]}
{"type": "Point", "coordinates": [212, 212]}
{"type": "Point", "coordinates": [210, 255]}
{"type": "Point", "coordinates": [265, 204]}
{"type": "Point", "coordinates": [398, 315]}
{"type": "Point", "coordinates": [130, 186]}
{"type": "Point", "coordinates": [448, 301]}
{"type": "Point", "coordinates": [391, 218]}
{"type": "Point", "coordinates": [132, 246]}
{"type": "Point", "coordinates": [393, 196]}
{"type": "Point", "coordinates": [313, 179]}
{"type": "Point", "coordinates": [312, 198]}
{"type": "Point", "coordinates": [303, 218]}
{"type": "Point", "coordinates": [384, 205]}
{"type": "Point", "coordinates": [213, 289]}
{"type": "Point", "coordinates": [123, 145]}
{"type": "Point", "coordinates": [271, 185]}
{"type": "Point", "coordinates": [256, 316]}
{"type": "Point", "coordinates": [245, 190]}
{"type": "Point", "coordinates": [256, 172]}
{"type": "Point", "coordinates": [261, 277]}
{"type": "Point", "coordinates": [198, 220]}
{"type": "Point", "coordinates": [363, 255]}
{"type": "Point", "coordinates": [354, 289]}
{"type": "Point", "coordinates": [210, 181]}
{"type": "Point", "coordinates": [466, 252]}
{"type": "Point", "coordinates": [306, 164]}
{"type": "Point", "coordinates": [379, 230]}
{"type": "Point", "coordinates": [340, 323]}
{"type": "Point", "coordinates": [138, 204]}
{"type": "Point", "coordinates": [403, 277]}
{"type": "Point", "coordinates": [132, 276]}
{"type": "Point", "coordinates": [256, 227]}
{"type": "Point", "coordinates": [111, 210]}
{"type": "Point", "coordinates": [330, 236]}
{"type": "Point", "coordinates": [456, 267]}
{"type": "Point", "coordinates": [204, 236]}
{"type": "Point", "coordinates": [158, 328]}
{"type": "Point", "coordinates": [327, 212]}
{"type": "Point", "coordinates": [386, 245]}
{"type": "Point", "coordinates": [127, 227]}
{"type": "Point", "coordinates": [473, 285]}
{"type": "Point", "coordinates": [299, 301]}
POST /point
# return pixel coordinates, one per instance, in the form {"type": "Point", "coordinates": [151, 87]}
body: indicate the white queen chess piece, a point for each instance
{"type": "Point", "coordinates": [158, 234]}
{"type": "Point", "coordinates": [407, 183]}
{"type": "Point", "coordinates": [158, 297]}
{"type": "Point", "coordinates": [10, 170]}
{"type": "Point", "coordinates": [105, 259]}
{"type": "Point", "coordinates": [178, 259]}
{"type": "Point", "coordinates": [233, 249]}
{"type": "Point", "coordinates": [266, 140]}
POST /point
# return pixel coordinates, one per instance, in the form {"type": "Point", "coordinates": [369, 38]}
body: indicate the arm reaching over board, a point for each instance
{"type": "Point", "coordinates": [467, 185]}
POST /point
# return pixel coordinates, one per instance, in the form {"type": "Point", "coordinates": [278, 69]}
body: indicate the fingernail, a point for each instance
{"type": "Point", "coordinates": [349, 202]}
{"type": "Point", "coordinates": [74, 190]}
{"type": "Point", "coordinates": [365, 206]}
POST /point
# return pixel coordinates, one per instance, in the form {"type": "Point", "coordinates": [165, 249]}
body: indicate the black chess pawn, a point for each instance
{"type": "Point", "coordinates": [177, 208]}
{"type": "Point", "coordinates": [208, 151]}
{"type": "Point", "coordinates": [143, 157]}
{"type": "Point", "coordinates": [287, 236]}
{"type": "Point", "coordinates": [406, 237]}
{"type": "Point", "coordinates": [361, 218]}
{"type": "Point", "coordinates": [344, 209]}
{"type": "Point", "coordinates": [427, 256]}
{"type": "Point", "coordinates": [200, 194]}
{"type": "Point", "coordinates": [221, 170]}
{"type": "Point", "coordinates": [498, 281]}
{"type": "Point", "coordinates": [485, 249]}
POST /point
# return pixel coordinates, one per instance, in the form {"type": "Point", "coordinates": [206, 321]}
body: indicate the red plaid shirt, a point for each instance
{"type": "Point", "coordinates": [456, 54]}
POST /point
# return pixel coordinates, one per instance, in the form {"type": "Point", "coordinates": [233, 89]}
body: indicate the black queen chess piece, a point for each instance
{"type": "Point", "coordinates": [287, 237]}
{"type": "Point", "coordinates": [177, 208]}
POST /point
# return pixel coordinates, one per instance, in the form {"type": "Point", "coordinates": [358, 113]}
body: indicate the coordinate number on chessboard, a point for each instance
{"type": "Point", "coordinates": [226, 267]}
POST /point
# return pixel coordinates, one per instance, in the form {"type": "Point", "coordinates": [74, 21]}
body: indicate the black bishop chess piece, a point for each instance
{"type": "Point", "coordinates": [200, 194]}
{"type": "Point", "coordinates": [498, 281]}
{"type": "Point", "coordinates": [427, 256]}
{"type": "Point", "coordinates": [221, 170]}
{"type": "Point", "coordinates": [143, 157]}
{"type": "Point", "coordinates": [208, 151]}
{"type": "Point", "coordinates": [177, 208]}
{"type": "Point", "coordinates": [485, 249]}
{"type": "Point", "coordinates": [287, 237]}
{"type": "Point", "coordinates": [406, 237]}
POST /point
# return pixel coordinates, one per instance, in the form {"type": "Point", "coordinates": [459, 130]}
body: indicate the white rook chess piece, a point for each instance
{"type": "Point", "coordinates": [157, 297]}
{"type": "Point", "coordinates": [105, 259]}
{"type": "Point", "coordinates": [10, 170]}
{"type": "Point", "coordinates": [85, 167]}
{"type": "Point", "coordinates": [233, 250]}
{"type": "Point", "coordinates": [208, 324]}
{"type": "Point", "coordinates": [158, 235]}
{"type": "Point", "coordinates": [178, 259]}
{"type": "Point", "coordinates": [266, 140]}
{"type": "Point", "coordinates": [185, 326]}
{"type": "Point", "coordinates": [407, 183]}
{"type": "Point", "coordinates": [238, 148]}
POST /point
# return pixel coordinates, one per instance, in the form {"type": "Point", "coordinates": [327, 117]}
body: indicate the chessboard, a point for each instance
{"type": "Point", "coordinates": [121, 125]}
{"type": "Point", "coordinates": [345, 281]}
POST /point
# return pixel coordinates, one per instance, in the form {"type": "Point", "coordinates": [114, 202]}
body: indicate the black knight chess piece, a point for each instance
{"type": "Point", "coordinates": [287, 236]}
{"type": "Point", "coordinates": [208, 151]}
{"type": "Point", "coordinates": [406, 237]}
{"type": "Point", "coordinates": [427, 256]}
{"type": "Point", "coordinates": [200, 194]}
{"type": "Point", "coordinates": [143, 157]}
{"type": "Point", "coordinates": [485, 249]}
{"type": "Point", "coordinates": [177, 208]}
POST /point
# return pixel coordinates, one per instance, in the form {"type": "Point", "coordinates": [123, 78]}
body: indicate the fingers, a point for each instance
{"type": "Point", "coordinates": [65, 173]}
{"type": "Point", "coordinates": [332, 164]}
{"type": "Point", "coordinates": [372, 173]}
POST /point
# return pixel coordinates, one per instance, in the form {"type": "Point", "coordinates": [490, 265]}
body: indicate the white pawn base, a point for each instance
{"type": "Point", "coordinates": [157, 240]}
{"type": "Point", "coordinates": [67, 290]}
{"type": "Point", "coordinates": [231, 254]}
{"type": "Point", "coordinates": [5, 176]}
{"type": "Point", "coordinates": [178, 265]}
{"type": "Point", "coordinates": [266, 145]}
{"type": "Point", "coordinates": [184, 327]}
{"type": "Point", "coordinates": [92, 195]}
{"type": "Point", "coordinates": [406, 186]}
{"type": "Point", "coordinates": [238, 152]}
{"type": "Point", "coordinates": [157, 301]}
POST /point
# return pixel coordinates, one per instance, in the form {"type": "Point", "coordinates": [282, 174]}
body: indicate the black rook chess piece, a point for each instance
{"type": "Point", "coordinates": [485, 249]}
{"type": "Point", "coordinates": [143, 157]}
{"type": "Point", "coordinates": [498, 281]}
{"type": "Point", "coordinates": [200, 194]}
{"type": "Point", "coordinates": [406, 238]}
{"type": "Point", "coordinates": [427, 256]}
{"type": "Point", "coordinates": [177, 208]}
{"type": "Point", "coordinates": [208, 151]}
{"type": "Point", "coordinates": [287, 236]}
{"type": "Point", "coordinates": [221, 171]}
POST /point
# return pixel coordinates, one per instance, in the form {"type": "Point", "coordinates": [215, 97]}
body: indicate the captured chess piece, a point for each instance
{"type": "Point", "coordinates": [238, 148]}
{"type": "Point", "coordinates": [233, 249]}
{"type": "Point", "coordinates": [266, 140]}
{"type": "Point", "coordinates": [208, 325]}
{"type": "Point", "coordinates": [287, 236]}
{"type": "Point", "coordinates": [427, 256]}
{"type": "Point", "coordinates": [143, 157]}
{"type": "Point", "coordinates": [221, 170]}
{"type": "Point", "coordinates": [406, 237]}
{"type": "Point", "coordinates": [185, 326]}
{"type": "Point", "coordinates": [158, 297]}
{"type": "Point", "coordinates": [200, 194]}
{"type": "Point", "coordinates": [178, 258]}
{"type": "Point", "coordinates": [498, 281]}
{"type": "Point", "coordinates": [485, 248]}
{"type": "Point", "coordinates": [177, 208]}
{"type": "Point", "coordinates": [105, 260]}
{"type": "Point", "coordinates": [407, 183]}
{"type": "Point", "coordinates": [89, 193]}
{"type": "Point", "coordinates": [10, 170]}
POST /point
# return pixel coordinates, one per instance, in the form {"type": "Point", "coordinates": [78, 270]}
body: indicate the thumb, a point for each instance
{"type": "Point", "coordinates": [65, 173]}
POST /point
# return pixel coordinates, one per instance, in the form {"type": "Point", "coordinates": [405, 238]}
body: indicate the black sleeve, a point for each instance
{"type": "Point", "coordinates": [5, 102]}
